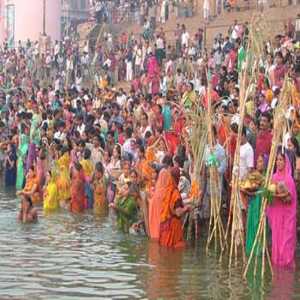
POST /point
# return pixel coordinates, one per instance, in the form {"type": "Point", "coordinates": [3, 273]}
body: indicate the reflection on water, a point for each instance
{"type": "Point", "coordinates": [85, 257]}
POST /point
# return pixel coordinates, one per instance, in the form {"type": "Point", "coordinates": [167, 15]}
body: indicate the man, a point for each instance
{"type": "Point", "coordinates": [246, 156]}
{"type": "Point", "coordinates": [121, 97]}
{"type": "Point", "coordinates": [60, 134]}
{"type": "Point", "coordinates": [218, 152]}
{"type": "Point", "coordinates": [96, 150]}
{"type": "Point", "coordinates": [235, 31]}
{"type": "Point", "coordinates": [264, 136]}
{"type": "Point", "coordinates": [128, 146]}
{"type": "Point", "coordinates": [177, 34]}
{"type": "Point", "coordinates": [297, 28]}
{"type": "Point", "coordinates": [185, 37]}
{"type": "Point", "coordinates": [246, 165]}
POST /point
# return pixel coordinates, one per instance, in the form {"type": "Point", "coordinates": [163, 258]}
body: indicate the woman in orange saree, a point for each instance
{"type": "Point", "coordinates": [163, 188]}
{"type": "Point", "coordinates": [78, 199]}
{"type": "Point", "coordinates": [171, 232]}
{"type": "Point", "coordinates": [63, 179]}
{"type": "Point", "coordinates": [99, 188]}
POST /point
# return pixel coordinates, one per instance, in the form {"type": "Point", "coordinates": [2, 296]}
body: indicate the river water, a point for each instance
{"type": "Point", "coordinates": [84, 257]}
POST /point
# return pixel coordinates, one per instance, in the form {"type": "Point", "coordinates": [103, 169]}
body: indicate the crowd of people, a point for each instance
{"type": "Point", "coordinates": [137, 11]}
{"type": "Point", "coordinates": [72, 140]}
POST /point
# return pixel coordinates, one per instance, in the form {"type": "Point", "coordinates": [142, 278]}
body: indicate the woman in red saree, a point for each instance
{"type": "Point", "coordinates": [171, 232]}
{"type": "Point", "coordinates": [78, 199]}
{"type": "Point", "coordinates": [153, 74]}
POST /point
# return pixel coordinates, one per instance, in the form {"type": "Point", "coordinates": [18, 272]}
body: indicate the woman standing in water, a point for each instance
{"type": "Point", "coordinates": [99, 188]}
{"type": "Point", "coordinates": [282, 214]}
{"type": "Point", "coordinates": [163, 188]}
{"type": "Point", "coordinates": [50, 197]}
{"type": "Point", "coordinates": [10, 165]}
{"type": "Point", "coordinates": [21, 155]}
{"type": "Point", "coordinates": [27, 212]}
{"type": "Point", "coordinates": [126, 208]}
{"type": "Point", "coordinates": [171, 232]}
{"type": "Point", "coordinates": [78, 199]}
{"type": "Point", "coordinates": [254, 206]}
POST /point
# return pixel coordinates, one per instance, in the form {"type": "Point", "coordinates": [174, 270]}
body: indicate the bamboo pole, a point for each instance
{"type": "Point", "coordinates": [196, 141]}
{"type": "Point", "coordinates": [215, 230]}
{"type": "Point", "coordinates": [237, 232]}
{"type": "Point", "coordinates": [248, 77]}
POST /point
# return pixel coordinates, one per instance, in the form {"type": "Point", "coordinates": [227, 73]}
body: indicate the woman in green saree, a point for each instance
{"type": "Point", "coordinates": [254, 207]}
{"type": "Point", "coordinates": [126, 209]}
{"type": "Point", "coordinates": [189, 97]}
{"type": "Point", "coordinates": [22, 155]}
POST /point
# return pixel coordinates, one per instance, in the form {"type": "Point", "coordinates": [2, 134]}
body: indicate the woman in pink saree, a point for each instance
{"type": "Point", "coordinates": [282, 214]}
{"type": "Point", "coordinates": [153, 74]}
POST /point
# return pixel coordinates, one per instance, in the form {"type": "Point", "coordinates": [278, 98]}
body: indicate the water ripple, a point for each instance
{"type": "Point", "coordinates": [83, 257]}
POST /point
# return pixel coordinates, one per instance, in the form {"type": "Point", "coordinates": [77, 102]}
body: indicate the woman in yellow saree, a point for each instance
{"type": "Point", "coordinates": [88, 170]}
{"type": "Point", "coordinates": [51, 200]}
{"type": "Point", "coordinates": [63, 179]}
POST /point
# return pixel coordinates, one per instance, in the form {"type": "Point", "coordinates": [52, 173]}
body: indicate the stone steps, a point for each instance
{"type": "Point", "coordinates": [277, 16]}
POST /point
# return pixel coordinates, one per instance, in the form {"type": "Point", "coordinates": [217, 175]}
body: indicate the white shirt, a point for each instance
{"type": "Point", "coordinates": [85, 59]}
{"type": "Point", "coordinates": [96, 155]}
{"type": "Point", "coordinates": [138, 57]}
{"type": "Point", "coordinates": [86, 48]}
{"type": "Point", "coordinates": [61, 136]}
{"type": "Point", "coordinates": [56, 49]}
{"type": "Point", "coordinates": [81, 128]}
{"type": "Point", "coordinates": [235, 32]}
{"type": "Point", "coordinates": [168, 66]}
{"type": "Point", "coordinates": [57, 85]}
{"type": "Point", "coordinates": [246, 159]}
{"type": "Point", "coordinates": [48, 59]}
{"type": "Point", "coordinates": [121, 100]}
{"type": "Point", "coordinates": [160, 43]}
{"type": "Point", "coordinates": [185, 39]}
{"type": "Point", "coordinates": [127, 146]}
{"type": "Point", "coordinates": [143, 131]}
{"type": "Point", "coordinates": [107, 63]}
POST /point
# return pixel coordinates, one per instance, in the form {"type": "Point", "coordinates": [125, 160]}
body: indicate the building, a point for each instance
{"type": "Point", "coordinates": [24, 19]}
{"type": "Point", "coordinates": [75, 10]}
{"type": "Point", "coordinates": [28, 19]}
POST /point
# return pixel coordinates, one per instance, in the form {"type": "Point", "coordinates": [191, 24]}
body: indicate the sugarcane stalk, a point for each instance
{"type": "Point", "coordinates": [215, 222]}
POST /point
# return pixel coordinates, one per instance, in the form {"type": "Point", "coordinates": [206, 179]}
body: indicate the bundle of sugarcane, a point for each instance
{"type": "Point", "coordinates": [235, 213]}
{"type": "Point", "coordinates": [216, 230]}
{"type": "Point", "coordinates": [247, 80]}
{"type": "Point", "coordinates": [279, 128]}
{"type": "Point", "coordinates": [196, 139]}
